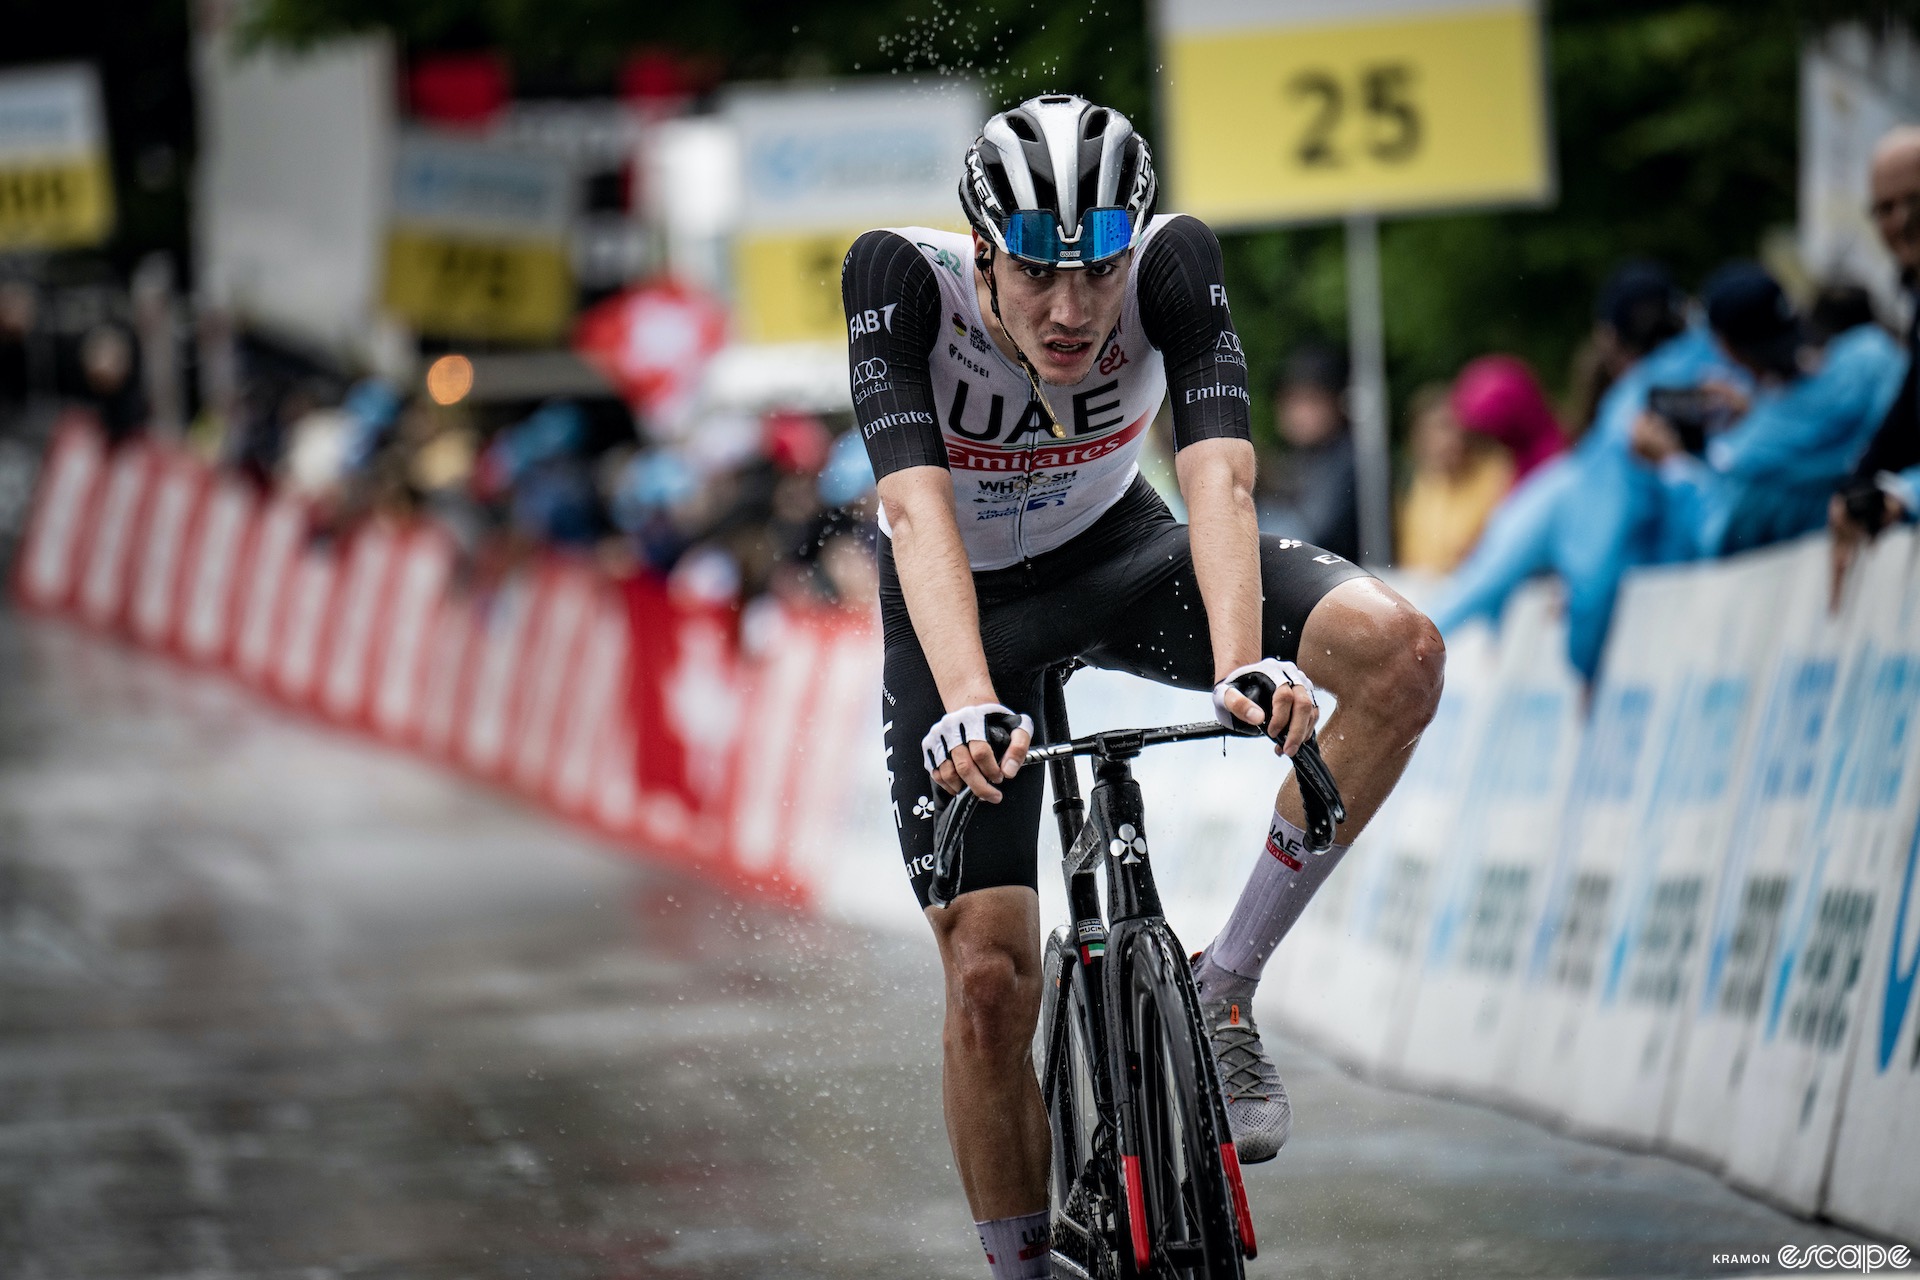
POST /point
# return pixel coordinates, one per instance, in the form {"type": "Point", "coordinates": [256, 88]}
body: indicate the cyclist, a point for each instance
{"type": "Point", "coordinates": [1004, 382]}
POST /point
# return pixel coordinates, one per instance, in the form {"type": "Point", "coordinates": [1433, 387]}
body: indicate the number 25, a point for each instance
{"type": "Point", "coordinates": [1394, 134]}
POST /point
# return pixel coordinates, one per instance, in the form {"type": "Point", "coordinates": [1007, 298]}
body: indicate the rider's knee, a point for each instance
{"type": "Point", "coordinates": [994, 998]}
{"type": "Point", "coordinates": [1403, 666]}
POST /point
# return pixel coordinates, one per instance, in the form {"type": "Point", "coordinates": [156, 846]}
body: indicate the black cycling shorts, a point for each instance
{"type": "Point", "coordinates": [1122, 596]}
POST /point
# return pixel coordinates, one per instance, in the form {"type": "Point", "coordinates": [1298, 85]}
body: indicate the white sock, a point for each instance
{"type": "Point", "coordinates": [1282, 883]}
{"type": "Point", "coordinates": [1017, 1247]}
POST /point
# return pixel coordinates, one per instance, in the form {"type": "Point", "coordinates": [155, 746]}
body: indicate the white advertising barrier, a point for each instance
{"type": "Point", "coordinates": [207, 605]}
{"type": "Point", "coordinates": [1839, 915]}
{"type": "Point", "coordinates": [420, 581]}
{"type": "Point", "coordinates": [842, 719]}
{"type": "Point", "coordinates": [49, 565]}
{"type": "Point", "coordinates": [762, 803]}
{"type": "Point", "coordinates": [1349, 967]}
{"type": "Point", "coordinates": [1636, 703]}
{"type": "Point", "coordinates": [1719, 646]}
{"type": "Point", "coordinates": [1466, 1020]}
{"type": "Point", "coordinates": [1773, 804]}
{"type": "Point", "coordinates": [1876, 1179]}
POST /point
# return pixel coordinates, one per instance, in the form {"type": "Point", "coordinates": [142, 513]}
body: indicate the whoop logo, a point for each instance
{"type": "Point", "coordinates": [1863, 1258]}
{"type": "Point", "coordinates": [869, 370]}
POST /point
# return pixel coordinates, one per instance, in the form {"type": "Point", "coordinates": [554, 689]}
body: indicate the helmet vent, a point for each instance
{"type": "Point", "coordinates": [1022, 129]}
{"type": "Point", "coordinates": [1096, 124]}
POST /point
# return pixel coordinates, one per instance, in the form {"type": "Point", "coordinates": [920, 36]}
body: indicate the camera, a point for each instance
{"type": "Point", "coordinates": [1690, 411]}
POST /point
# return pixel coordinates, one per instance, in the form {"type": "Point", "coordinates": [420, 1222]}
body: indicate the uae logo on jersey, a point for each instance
{"type": "Point", "coordinates": [1113, 358]}
{"type": "Point", "coordinates": [1227, 349]}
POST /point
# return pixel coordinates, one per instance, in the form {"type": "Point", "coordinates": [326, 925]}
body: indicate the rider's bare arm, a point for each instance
{"type": "Point", "coordinates": [893, 309]}
{"type": "Point", "coordinates": [1183, 308]}
{"type": "Point", "coordinates": [1216, 479]}
{"type": "Point", "coordinates": [938, 584]}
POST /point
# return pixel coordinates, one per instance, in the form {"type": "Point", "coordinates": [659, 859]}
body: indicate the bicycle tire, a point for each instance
{"type": "Point", "coordinates": [1082, 1190]}
{"type": "Point", "coordinates": [1177, 1210]}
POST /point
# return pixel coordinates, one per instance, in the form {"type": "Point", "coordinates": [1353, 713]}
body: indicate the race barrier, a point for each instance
{"type": "Point", "coordinates": [1678, 911]}
{"type": "Point", "coordinates": [610, 702]}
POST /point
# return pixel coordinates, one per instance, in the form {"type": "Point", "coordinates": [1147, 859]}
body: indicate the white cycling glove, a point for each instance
{"type": "Point", "coordinates": [968, 724]}
{"type": "Point", "coordinates": [1282, 674]}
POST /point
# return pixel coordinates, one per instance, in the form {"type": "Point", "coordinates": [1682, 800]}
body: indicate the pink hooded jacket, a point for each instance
{"type": "Point", "coordinates": [1498, 396]}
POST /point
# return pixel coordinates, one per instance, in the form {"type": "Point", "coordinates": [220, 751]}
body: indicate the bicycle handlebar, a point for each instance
{"type": "Point", "coordinates": [1319, 793]}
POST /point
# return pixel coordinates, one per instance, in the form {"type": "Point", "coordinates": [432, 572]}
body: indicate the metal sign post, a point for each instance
{"type": "Point", "coordinates": [1367, 396]}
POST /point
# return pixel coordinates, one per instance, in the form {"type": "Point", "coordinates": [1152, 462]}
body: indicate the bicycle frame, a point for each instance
{"type": "Point", "coordinates": [1116, 828]}
{"type": "Point", "coordinates": [1118, 1132]}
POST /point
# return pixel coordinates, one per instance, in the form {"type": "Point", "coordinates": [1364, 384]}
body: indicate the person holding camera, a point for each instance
{"type": "Point", "coordinates": [1884, 486]}
{"type": "Point", "coordinates": [1745, 471]}
{"type": "Point", "coordinates": [1590, 515]}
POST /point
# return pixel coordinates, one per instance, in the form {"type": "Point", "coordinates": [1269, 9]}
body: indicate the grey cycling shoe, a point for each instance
{"type": "Point", "coordinates": [1258, 1112]}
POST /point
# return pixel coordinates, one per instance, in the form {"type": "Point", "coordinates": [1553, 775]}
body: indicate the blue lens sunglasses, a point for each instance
{"type": "Point", "coordinates": [1033, 235]}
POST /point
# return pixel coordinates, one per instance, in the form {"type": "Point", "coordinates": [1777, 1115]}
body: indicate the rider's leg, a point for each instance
{"type": "Point", "coordinates": [989, 943]}
{"type": "Point", "coordinates": [1384, 663]}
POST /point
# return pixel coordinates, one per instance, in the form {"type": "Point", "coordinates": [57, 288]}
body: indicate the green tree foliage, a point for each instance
{"type": "Point", "coordinates": [1674, 132]}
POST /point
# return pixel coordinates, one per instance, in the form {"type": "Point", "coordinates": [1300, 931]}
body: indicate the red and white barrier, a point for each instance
{"type": "Point", "coordinates": [277, 537]}
{"type": "Point", "coordinates": [160, 550]}
{"type": "Point", "coordinates": [50, 562]}
{"type": "Point", "coordinates": [213, 562]}
{"type": "Point", "coordinates": [357, 614]}
{"type": "Point", "coordinates": [613, 704]}
{"type": "Point", "coordinates": [420, 582]}
{"type": "Point", "coordinates": [110, 541]}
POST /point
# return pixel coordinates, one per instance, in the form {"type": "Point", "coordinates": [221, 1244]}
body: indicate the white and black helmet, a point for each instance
{"type": "Point", "coordinates": [1036, 172]}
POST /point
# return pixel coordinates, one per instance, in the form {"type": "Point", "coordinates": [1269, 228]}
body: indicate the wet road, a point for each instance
{"type": "Point", "coordinates": [275, 1003]}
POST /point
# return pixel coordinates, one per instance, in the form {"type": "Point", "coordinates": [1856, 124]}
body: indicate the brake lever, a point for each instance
{"type": "Point", "coordinates": [1319, 795]}
{"type": "Point", "coordinates": [950, 845]}
{"type": "Point", "coordinates": [950, 830]}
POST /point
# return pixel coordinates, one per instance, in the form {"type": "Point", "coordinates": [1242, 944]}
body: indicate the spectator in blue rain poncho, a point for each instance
{"type": "Point", "coordinates": [1590, 515]}
{"type": "Point", "coordinates": [1767, 475]}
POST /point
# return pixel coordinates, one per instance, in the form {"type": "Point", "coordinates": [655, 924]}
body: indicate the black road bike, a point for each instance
{"type": "Point", "coordinates": [1145, 1182]}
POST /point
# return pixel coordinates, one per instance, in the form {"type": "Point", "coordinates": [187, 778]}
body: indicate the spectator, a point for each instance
{"type": "Point", "coordinates": [1458, 479]}
{"type": "Point", "coordinates": [1497, 397]}
{"type": "Point", "coordinates": [109, 380]}
{"type": "Point", "coordinates": [1310, 495]}
{"type": "Point", "coordinates": [1884, 486]}
{"type": "Point", "coordinates": [1768, 475]}
{"type": "Point", "coordinates": [1588, 516]}
{"type": "Point", "coordinates": [19, 322]}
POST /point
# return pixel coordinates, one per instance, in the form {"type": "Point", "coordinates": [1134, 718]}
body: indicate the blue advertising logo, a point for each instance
{"type": "Point", "coordinates": [1893, 1013]}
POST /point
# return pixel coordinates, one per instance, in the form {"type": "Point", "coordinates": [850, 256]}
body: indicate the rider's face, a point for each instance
{"type": "Point", "coordinates": [1059, 318]}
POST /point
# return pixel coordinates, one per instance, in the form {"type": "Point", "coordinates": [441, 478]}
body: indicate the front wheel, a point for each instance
{"type": "Point", "coordinates": [1084, 1178]}
{"type": "Point", "coordinates": [1179, 1204]}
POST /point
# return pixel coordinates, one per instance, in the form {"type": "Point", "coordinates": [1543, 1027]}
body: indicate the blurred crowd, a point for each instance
{"type": "Point", "coordinates": [1699, 427]}
{"type": "Point", "coordinates": [1696, 426]}
{"type": "Point", "coordinates": [734, 508]}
